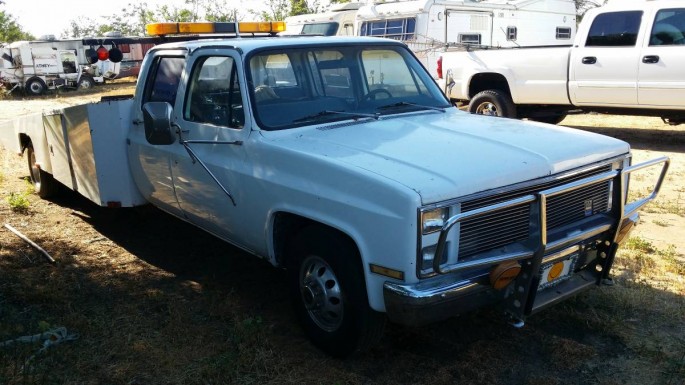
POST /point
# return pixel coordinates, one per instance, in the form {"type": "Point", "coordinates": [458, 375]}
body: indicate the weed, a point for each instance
{"type": "Point", "coordinates": [674, 265]}
{"type": "Point", "coordinates": [660, 222]}
{"type": "Point", "coordinates": [640, 244]}
{"type": "Point", "coordinates": [28, 187]}
{"type": "Point", "coordinates": [18, 202]}
{"type": "Point", "coordinates": [669, 207]}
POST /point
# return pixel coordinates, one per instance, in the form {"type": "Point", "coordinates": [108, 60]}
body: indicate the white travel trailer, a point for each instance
{"type": "Point", "coordinates": [339, 20]}
{"type": "Point", "coordinates": [430, 25]}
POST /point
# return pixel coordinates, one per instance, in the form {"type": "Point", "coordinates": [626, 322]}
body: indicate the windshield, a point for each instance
{"type": "Point", "coordinates": [293, 87]}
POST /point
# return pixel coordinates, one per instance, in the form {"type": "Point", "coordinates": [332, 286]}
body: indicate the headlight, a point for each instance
{"type": "Point", "coordinates": [433, 220]}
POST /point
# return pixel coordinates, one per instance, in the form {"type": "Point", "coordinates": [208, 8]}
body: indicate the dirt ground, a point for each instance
{"type": "Point", "coordinates": [156, 301]}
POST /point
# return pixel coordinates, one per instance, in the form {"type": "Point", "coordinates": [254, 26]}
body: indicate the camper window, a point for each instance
{"type": "Point", "coordinates": [469, 38]}
{"type": "Point", "coordinates": [511, 33]}
{"type": "Point", "coordinates": [398, 29]}
{"type": "Point", "coordinates": [325, 29]}
{"type": "Point", "coordinates": [563, 33]}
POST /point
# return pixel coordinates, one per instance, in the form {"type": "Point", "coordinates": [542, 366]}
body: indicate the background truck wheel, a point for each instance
{"type": "Point", "coordinates": [551, 119]}
{"type": "Point", "coordinates": [36, 86]}
{"type": "Point", "coordinates": [493, 103]}
{"type": "Point", "coordinates": [326, 282]}
{"type": "Point", "coordinates": [43, 182]}
{"type": "Point", "coordinates": [86, 82]}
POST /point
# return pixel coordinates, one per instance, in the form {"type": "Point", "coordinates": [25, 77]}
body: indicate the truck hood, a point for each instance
{"type": "Point", "coordinates": [447, 155]}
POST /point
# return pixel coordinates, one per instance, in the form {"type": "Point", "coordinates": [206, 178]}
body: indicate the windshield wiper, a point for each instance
{"type": "Point", "coordinates": [326, 113]}
{"type": "Point", "coordinates": [402, 104]}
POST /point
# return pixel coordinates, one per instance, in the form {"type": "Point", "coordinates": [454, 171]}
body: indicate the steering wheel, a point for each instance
{"type": "Point", "coordinates": [373, 93]}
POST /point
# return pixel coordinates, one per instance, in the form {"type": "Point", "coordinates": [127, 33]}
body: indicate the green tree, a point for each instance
{"type": "Point", "coordinates": [276, 10]}
{"type": "Point", "coordinates": [11, 31]}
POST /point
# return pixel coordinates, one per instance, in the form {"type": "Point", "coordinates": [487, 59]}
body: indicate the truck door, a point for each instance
{"type": "Point", "coordinates": [661, 77]}
{"type": "Point", "coordinates": [603, 71]}
{"type": "Point", "coordinates": [207, 173]}
{"type": "Point", "coordinates": [150, 164]}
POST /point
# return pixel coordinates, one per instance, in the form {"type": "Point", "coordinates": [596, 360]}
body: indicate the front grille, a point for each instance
{"type": "Point", "coordinates": [514, 224]}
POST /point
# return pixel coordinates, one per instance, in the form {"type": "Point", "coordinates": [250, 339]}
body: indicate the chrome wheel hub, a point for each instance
{"type": "Point", "coordinates": [321, 293]}
{"type": "Point", "coordinates": [487, 108]}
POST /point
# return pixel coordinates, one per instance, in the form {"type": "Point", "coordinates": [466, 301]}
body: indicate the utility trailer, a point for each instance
{"type": "Point", "coordinates": [82, 147]}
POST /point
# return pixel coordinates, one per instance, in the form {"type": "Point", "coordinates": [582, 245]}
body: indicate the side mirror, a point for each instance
{"type": "Point", "coordinates": [157, 121]}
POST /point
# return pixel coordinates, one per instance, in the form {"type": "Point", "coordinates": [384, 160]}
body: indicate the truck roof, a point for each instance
{"type": "Point", "coordinates": [247, 44]}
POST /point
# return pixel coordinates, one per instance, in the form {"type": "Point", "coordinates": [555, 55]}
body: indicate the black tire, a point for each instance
{"type": "Point", "coordinates": [36, 86]}
{"type": "Point", "coordinates": [86, 82]}
{"type": "Point", "coordinates": [327, 285]}
{"type": "Point", "coordinates": [493, 103]}
{"type": "Point", "coordinates": [550, 119]}
{"type": "Point", "coordinates": [43, 183]}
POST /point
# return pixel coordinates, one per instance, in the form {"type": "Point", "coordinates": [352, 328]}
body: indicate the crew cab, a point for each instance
{"type": "Point", "coordinates": [628, 58]}
{"type": "Point", "coordinates": [340, 160]}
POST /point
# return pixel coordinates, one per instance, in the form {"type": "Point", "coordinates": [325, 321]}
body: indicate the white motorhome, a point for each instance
{"type": "Point", "coordinates": [339, 20]}
{"type": "Point", "coordinates": [429, 25]}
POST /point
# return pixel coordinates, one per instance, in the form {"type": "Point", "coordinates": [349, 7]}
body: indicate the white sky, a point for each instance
{"type": "Point", "coordinates": [52, 17]}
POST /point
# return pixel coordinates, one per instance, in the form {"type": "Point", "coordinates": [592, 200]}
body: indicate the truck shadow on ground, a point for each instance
{"type": "Point", "coordinates": [644, 139]}
{"type": "Point", "coordinates": [568, 344]}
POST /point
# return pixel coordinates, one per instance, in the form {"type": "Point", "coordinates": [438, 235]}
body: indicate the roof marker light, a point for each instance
{"type": "Point", "coordinates": [160, 29]}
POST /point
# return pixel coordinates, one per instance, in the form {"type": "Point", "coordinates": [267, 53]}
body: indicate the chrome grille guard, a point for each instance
{"type": "Point", "coordinates": [539, 201]}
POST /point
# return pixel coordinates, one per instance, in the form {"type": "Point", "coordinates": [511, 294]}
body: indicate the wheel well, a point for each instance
{"type": "Point", "coordinates": [285, 228]}
{"type": "Point", "coordinates": [488, 81]}
{"type": "Point", "coordinates": [24, 142]}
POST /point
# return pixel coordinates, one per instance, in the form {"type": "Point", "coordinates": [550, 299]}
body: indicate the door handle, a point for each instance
{"type": "Point", "coordinates": [650, 59]}
{"type": "Point", "coordinates": [589, 60]}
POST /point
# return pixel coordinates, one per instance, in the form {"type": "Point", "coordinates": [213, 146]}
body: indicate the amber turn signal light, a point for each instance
{"type": "Point", "coordinates": [504, 273]}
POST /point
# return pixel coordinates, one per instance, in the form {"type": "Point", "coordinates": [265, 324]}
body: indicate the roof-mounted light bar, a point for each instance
{"type": "Point", "coordinates": [161, 29]}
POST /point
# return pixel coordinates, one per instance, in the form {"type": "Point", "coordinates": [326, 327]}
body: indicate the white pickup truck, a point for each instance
{"type": "Point", "coordinates": [339, 159]}
{"type": "Point", "coordinates": [628, 58]}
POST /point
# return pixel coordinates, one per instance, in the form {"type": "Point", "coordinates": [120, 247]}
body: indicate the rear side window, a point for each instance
{"type": "Point", "coordinates": [163, 80]}
{"type": "Point", "coordinates": [614, 29]}
{"type": "Point", "coordinates": [668, 28]}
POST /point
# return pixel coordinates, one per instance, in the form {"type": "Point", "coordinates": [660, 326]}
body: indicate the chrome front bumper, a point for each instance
{"type": "Point", "coordinates": [442, 297]}
{"type": "Point", "coordinates": [596, 243]}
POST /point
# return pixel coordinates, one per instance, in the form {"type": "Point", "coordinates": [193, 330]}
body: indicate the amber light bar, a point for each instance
{"type": "Point", "coordinates": [161, 29]}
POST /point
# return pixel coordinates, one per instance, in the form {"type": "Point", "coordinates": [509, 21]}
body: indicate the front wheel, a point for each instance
{"type": "Point", "coordinates": [86, 82]}
{"type": "Point", "coordinates": [43, 182]}
{"type": "Point", "coordinates": [328, 289]}
{"type": "Point", "coordinates": [493, 103]}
